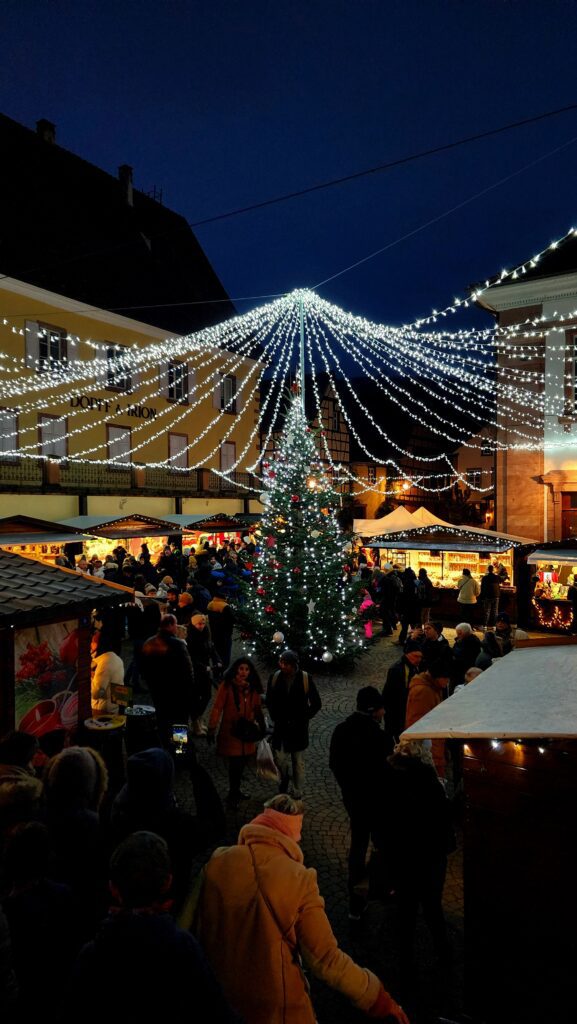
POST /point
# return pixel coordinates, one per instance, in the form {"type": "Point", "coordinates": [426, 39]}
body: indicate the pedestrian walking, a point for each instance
{"type": "Point", "coordinates": [396, 689]}
{"type": "Point", "coordinates": [357, 759]}
{"type": "Point", "coordinates": [238, 721]}
{"type": "Point", "coordinates": [292, 700]}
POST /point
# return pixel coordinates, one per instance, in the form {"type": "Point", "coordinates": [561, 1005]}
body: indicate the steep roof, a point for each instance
{"type": "Point", "coordinates": [33, 592]}
{"type": "Point", "coordinates": [67, 227]}
{"type": "Point", "coordinates": [553, 263]}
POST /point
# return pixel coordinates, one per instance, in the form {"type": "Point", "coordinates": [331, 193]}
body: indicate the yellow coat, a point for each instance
{"type": "Point", "coordinates": [259, 907]}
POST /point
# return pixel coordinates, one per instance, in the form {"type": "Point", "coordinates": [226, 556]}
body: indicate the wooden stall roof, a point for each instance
{"type": "Point", "coordinates": [218, 521]}
{"type": "Point", "coordinates": [528, 693]}
{"type": "Point", "coordinates": [31, 592]}
{"type": "Point", "coordinates": [29, 530]}
{"type": "Point", "coordinates": [122, 527]}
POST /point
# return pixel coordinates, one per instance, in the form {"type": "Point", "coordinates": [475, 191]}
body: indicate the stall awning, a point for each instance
{"type": "Point", "coordinates": [421, 529]}
{"type": "Point", "coordinates": [552, 556]}
{"type": "Point", "coordinates": [510, 700]}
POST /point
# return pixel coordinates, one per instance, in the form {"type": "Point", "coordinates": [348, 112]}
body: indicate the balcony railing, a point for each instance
{"type": "Point", "coordinates": [73, 477]}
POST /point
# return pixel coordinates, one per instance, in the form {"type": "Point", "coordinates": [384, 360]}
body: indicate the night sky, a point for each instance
{"type": "Point", "coordinates": [222, 104]}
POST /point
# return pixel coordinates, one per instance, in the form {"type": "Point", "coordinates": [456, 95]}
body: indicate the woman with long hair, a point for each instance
{"type": "Point", "coordinates": [237, 714]}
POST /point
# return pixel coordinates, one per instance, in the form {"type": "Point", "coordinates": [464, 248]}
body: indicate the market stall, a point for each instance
{"type": "Point", "coordinates": [39, 538]}
{"type": "Point", "coordinates": [518, 726]}
{"type": "Point", "coordinates": [45, 635]}
{"type": "Point", "coordinates": [554, 569]}
{"type": "Point", "coordinates": [136, 529]}
{"type": "Point", "coordinates": [422, 540]}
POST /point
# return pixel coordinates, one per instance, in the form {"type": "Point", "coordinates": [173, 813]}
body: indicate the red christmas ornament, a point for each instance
{"type": "Point", "coordinates": [245, 636]}
{"type": "Point", "coordinates": [260, 591]}
{"type": "Point", "coordinates": [296, 570]}
{"type": "Point", "coordinates": [272, 474]}
{"type": "Point", "coordinates": [266, 465]}
{"type": "Point", "coordinates": [270, 609]}
{"type": "Point", "coordinates": [270, 542]}
{"type": "Point", "coordinates": [295, 497]}
{"type": "Point", "coordinates": [249, 565]}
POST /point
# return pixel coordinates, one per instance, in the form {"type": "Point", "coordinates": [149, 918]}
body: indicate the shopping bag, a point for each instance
{"type": "Point", "coordinates": [265, 766]}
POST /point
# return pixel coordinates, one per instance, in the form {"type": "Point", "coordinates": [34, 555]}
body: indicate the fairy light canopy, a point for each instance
{"type": "Point", "coordinates": [452, 384]}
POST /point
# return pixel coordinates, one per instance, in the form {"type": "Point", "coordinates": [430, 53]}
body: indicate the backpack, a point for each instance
{"type": "Point", "coordinates": [421, 591]}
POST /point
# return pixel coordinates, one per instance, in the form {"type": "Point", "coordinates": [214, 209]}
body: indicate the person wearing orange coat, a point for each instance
{"type": "Point", "coordinates": [237, 714]}
{"type": "Point", "coordinates": [426, 690]}
{"type": "Point", "coordinates": [260, 916]}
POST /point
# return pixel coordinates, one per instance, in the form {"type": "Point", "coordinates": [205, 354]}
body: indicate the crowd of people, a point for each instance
{"type": "Point", "coordinates": [95, 875]}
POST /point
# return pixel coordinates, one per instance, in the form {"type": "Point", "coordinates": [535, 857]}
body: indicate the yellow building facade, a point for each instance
{"type": "Point", "coordinates": [103, 415]}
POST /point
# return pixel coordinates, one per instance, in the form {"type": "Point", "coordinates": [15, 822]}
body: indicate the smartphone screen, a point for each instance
{"type": "Point", "coordinates": [180, 738]}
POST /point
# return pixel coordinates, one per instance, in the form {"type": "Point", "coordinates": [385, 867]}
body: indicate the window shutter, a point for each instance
{"type": "Point", "coordinates": [163, 380]}
{"type": "Point", "coordinates": [217, 394]}
{"type": "Point", "coordinates": [32, 347]}
{"type": "Point", "coordinates": [185, 379]}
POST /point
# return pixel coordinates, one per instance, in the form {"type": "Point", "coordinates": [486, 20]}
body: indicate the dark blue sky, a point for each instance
{"type": "Point", "coordinates": [224, 102]}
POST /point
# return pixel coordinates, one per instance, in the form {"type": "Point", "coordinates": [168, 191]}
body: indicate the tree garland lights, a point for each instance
{"type": "Point", "coordinates": [302, 597]}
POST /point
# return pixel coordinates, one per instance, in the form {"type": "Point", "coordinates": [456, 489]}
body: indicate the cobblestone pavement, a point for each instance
{"type": "Point", "coordinates": [325, 845]}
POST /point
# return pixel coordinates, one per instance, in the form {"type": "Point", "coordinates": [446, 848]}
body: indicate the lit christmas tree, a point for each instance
{"type": "Point", "coordinates": [301, 596]}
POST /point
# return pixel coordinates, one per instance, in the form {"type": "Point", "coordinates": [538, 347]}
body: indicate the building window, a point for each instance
{"type": "Point", "coordinates": [227, 456]}
{"type": "Point", "coordinates": [473, 477]}
{"type": "Point", "coordinates": [117, 371]}
{"type": "Point", "coordinates": [178, 383]}
{"type": "Point", "coordinates": [52, 431]}
{"type": "Point", "coordinates": [178, 451]}
{"type": "Point", "coordinates": [8, 435]}
{"type": "Point", "coordinates": [119, 445]}
{"type": "Point", "coordinates": [52, 348]}
{"type": "Point", "coordinates": [487, 450]}
{"type": "Point", "coordinates": [371, 474]}
{"type": "Point", "coordinates": [225, 393]}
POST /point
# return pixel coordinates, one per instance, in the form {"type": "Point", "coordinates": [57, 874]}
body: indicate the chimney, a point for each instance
{"type": "Point", "coordinates": [46, 130]}
{"type": "Point", "coordinates": [125, 179]}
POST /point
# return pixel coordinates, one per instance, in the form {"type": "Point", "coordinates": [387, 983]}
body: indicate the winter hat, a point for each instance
{"type": "Point", "coordinates": [412, 645]}
{"type": "Point", "coordinates": [140, 869]}
{"type": "Point", "coordinates": [18, 748]}
{"type": "Point", "coordinates": [166, 581]}
{"type": "Point", "coordinates": [149, 588]}
{"type": "Point", "coordinates": [438, 627]}
{"type": "Point", "coordinates": [503, 617]}
{"type": "Point", "coordinates": [369, 700]}
{"type": "Point", "coordinates": [76, 777]}
{"type": "Point", "coordinates": [150, 778]}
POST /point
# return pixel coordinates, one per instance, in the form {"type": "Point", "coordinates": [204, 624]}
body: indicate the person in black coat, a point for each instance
{"type": "Point", "coordinates": [167, 669]}
{"type": "Point", "coordinates": [396, 689]}
{"type": "Point", "coordinates": [163, 967]}
{"type": "Point", "coordinates": [292, 700]}
{"type": "Point", "coordinates": [466, 650]}
{"type": "Point", "coordinates": [419, 834]}
{"type": "Point", "coordinates": [358, 760]}
{"type": "Point", "coordinates": [434, 645]}
{"type": "Point", "coordinates": [148, 802]}
{"type": "Point", "coordinates": [409, 604]}
{"type": "Point", "coordinates": [205, 660]}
